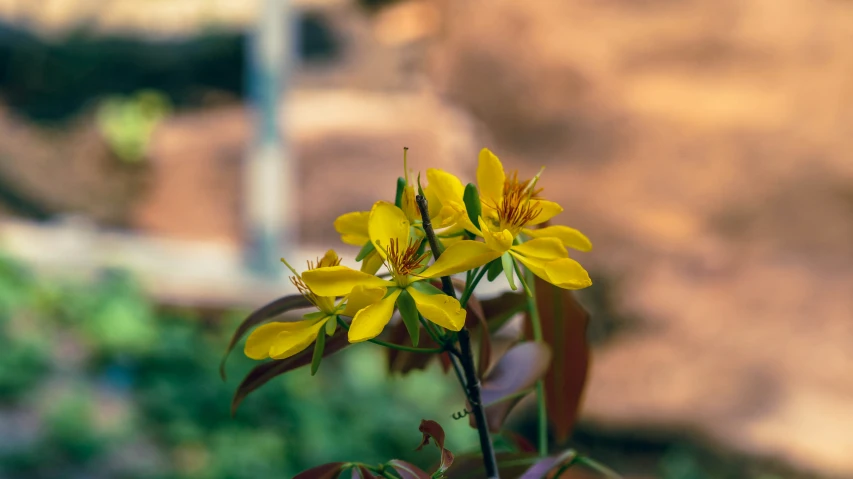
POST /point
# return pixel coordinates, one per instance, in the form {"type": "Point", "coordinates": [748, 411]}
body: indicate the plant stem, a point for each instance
{"type": "Point", "coordinates": [597, 467]}
{"type": "Point", "coordinates": [486, 446]}
{"type": "Point", "coordinates": [471, 385]}
{"type": "Point", "coordinates": [399, 347]}
{"type": "Point", "coordinates": [536, 323]}
{"type": "Point", "coordinates": [446, 284]}
{"type": "Point", "coordinates": [469, 288]}
{"type": "Point", "coordinates": [430, 330]}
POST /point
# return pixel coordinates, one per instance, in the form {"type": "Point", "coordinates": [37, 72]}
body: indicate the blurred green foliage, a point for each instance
{"type": "Point", "coordinates": [98, 382]}
{"type": "Point", "coordinates": [127, 123]}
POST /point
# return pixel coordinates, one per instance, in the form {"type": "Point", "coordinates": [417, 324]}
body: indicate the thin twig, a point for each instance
{"type": "Point", "coordinates": [471, 385]}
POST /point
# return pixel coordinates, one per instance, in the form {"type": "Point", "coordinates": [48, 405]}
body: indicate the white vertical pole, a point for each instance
{"type": "Point", "coordinates": [269, 170]}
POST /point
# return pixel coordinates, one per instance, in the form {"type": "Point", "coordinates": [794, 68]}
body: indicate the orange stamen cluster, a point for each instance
{"type": "Point", "coordinates": [511, 183]}
{"type": "Point", "coordinates": [304, 290]}
{"type": "Point", "coordinates": [403, 262]}
{"type": "Point", "coordinates": [516, 208]}
{"type": "Point", "coordinates": [319, 263]}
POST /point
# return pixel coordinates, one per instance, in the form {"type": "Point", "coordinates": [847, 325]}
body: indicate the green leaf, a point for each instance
{"type": "Point", "coordinates": [495, 269]}
{"type": "Point", "coordinates": [420, 188]}
{"type": "Point", "coordinates": [401, 186]}
{"type": "Point", "coordinates": [409, 312]}
{"type": "Point", "coordinates": [331, 325]}
{"type": "Point", "coordinates": [314, 315]}
{"type": "Point", "coordinates": [365, 250]}
{"type": "Point", "coordinates": [319, 345]}
{"type": "Point", "coordinates": [262, 315]}
{"type": "Point", "coordinates": [506, 262]}
{"type": "Point", "coordinates": [426, 288]}
{"type": "Point", "coordinates": [472, 203]}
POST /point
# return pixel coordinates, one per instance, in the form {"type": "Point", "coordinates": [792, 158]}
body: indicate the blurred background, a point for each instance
{"type": "Point", "coordinates": [157, 157]}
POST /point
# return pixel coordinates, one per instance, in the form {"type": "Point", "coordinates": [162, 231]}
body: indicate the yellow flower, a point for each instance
{"type": "Point", "coordinates": [353, 226]}
{"type": "Point", "coordinates": [510, 208]}
{"type": "Point", "coordinates": [284, 339]}
{"type": "Point", "coordinates": [371, 300]}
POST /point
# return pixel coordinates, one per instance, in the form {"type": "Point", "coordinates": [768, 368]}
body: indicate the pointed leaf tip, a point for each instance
{"type": "Point", "coordinates": [324, 471]}
{"type": "Point", "coordinates": [407, 470]}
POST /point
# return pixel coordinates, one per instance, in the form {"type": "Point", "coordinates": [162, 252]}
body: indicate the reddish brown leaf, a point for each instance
{"type": "Point", "coordinates": [540, 469]}
{"type": "Point", "coordinates": [500, 309]}
{"type": "Point", "coordinates": [404, 361]}
{"type": "Point", "coordinates": [431, 429]}
{"type": "Point", "coordinates": [505, 338]}
{"type": "Point", "coordinates": [325, 471]}
{"type": "Point", "coordinates": [262, 315]}
{"type": "Point", "coordinates": [564, 323]}
{"type": "Point", "coordinates": [516, 371]}
{"type": "Point", "coordinates": [521, 443]}
{"type": "Point", "coordinates": [407, 470]}
{"type": "Point", "coordinates": [475, 311]}
{"type": "Point", "coordinates": [361, 472]}
{"type": "Point", "coordinates": [261, 374]}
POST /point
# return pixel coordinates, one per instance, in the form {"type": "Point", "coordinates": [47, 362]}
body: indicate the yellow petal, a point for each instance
{"type": "Point", "coordinates": [535, 265]}
{"type": "Point", "coordinates": [441, 309]}
{"type": "Point", "coordinates": [490, 177]}
{"type": "Point", "coordinates": [499, 241]}
{"type": "Point", "coordinates": [567, 273]}
{"type": "Point", "coordinates": [564, 272]}
{"type": "Point", "coordinates": [433, 203]}
{"type": "Point", "coordinates": [362, 297]}
{"type": "Point", "coordinates": [371, 263]}
{"type": "Point", "coordinates": [370, 321]}
{"type": "Point", "coordinates": [549, 210]}
{"type": "Point", "coordinates": [387, 223]}
{"type": "Point", "coordinates": [570, 237]}
{"type": "Point", "coordinates": [353, 227]}
{"type": "Point", "coordinates": [447, 187]}
{"type": "Point", "coordinates": [288, 343]}
{"type": "Point", "coordinates": [460, 257]}
{"type": "Point", "coordinates": [339, 280]}
{"type": "Point", "coordinates": [542, 248]}
{"type": "Point", "coordinates": [329, 259]}
{"type": "Point", "coordinates": [260, 342]}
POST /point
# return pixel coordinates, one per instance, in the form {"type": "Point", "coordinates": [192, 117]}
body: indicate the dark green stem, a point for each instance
{"type": "Point", "coordinates": [536, 323]}
{"type": "Point", "coordinates": [466, 356]}
{"type": "Point", "coordinates": [446, 284]}
{"type": "Point", "coordinates": [598, 467]}
{"type": "Point", "coordinates": [469, 288]}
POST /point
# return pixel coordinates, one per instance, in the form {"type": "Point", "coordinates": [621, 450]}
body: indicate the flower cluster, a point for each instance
{"type": "Point", "coordinates": [494, 226]}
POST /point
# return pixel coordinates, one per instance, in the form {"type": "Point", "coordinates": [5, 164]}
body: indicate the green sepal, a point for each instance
{"type": "Point", "coordinates": [506, 262]}
{"type": "Point", "coordinates": [472, 203]}
{"type": "Point", "coordinates": [420, 188]}
{"type": "Point", "coordinates": [422, 247]}
{"type": "Point", "coordinates": [401, 186]}
{"type": "Point", "coordinates": [495, 269]}
{"type": "Point", "coordinates": [319, 345]}
{"type": "Point", "coordinates": [426, 288]}
{"type": "Point", "coordinates": [314, 315]}
{"type": "Point", "coordinates": [365, 250]}
{"type": "Point", "coordinates": [409, 312]}
{"type": "Point", "coordinates": [332, 325]}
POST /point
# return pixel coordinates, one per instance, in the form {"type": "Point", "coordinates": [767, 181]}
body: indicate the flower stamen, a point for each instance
{"type": "Point", "coordinates": [403, 262]}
